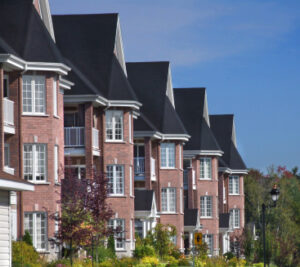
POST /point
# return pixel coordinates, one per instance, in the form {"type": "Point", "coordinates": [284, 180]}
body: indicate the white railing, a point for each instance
{"type": "Point", "coordinates": [74, 136]}
{"type": "Point", "coordinates": [8, 111]}
{"type": "Point", "coordinates": [95, 138]}
{"type": "Point", "coordinates": [153, 175]}
{"type": "Point", "coordinates": [139, 165]}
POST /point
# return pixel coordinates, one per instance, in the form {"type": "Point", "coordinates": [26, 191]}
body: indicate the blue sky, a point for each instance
{"type": "Point", "coordinates": [246, 53]}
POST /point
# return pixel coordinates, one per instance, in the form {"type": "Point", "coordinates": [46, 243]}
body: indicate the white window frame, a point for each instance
{"type": "Point", "coordinates": [56, 163]}
{"type": "Point", "coordinates": [168, 147]}
{"type": "Point", "coordinates": [181, 200]}
{"type": "Point", "coordinates": [204, 209]}
{"type": "Point", "coordinates": [205, 174]}
{"type": "Point", "coordinates": [34, 161]}
{"type": "Point", "coordinates": [235, 218]}
{"type": "Point", "coordinates": [114, 224]}
{"type": "Point", "coordinates": [234, 185]}
{"type": "Point", "coordinates": [209, 240]}
{"type": "Point", "coordinates": [180, 157]}
{"type": "Point", "coordinates": [114, 180]}
{"type": "Point", "coordinates": [167, 194]}
{"type": "Point", "coordinates": [130, 127]}
{"type": "Point", "coordinates": [130, 182]}
{"type": "Point", "coordinates": [55, 97]}
{"type": "Point", "coordinates": [34, 229]}
{"type": "Point", "coordinates": [33, 81]}
{"type": "Point", "coordinates": [114, 114]}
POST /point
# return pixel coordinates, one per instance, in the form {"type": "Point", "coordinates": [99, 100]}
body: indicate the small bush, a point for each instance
{"type": "Point", "coordinates": [183, 262]}
{"type": "Point", "coordinates": [143, 251]}
{"type": "Point", "coordinates": [153, 261]}
{"type": "Point", "coordinates": [172, 262]}
{"type": "Point", "coordinates": [175, 252]}
{"type": "Point", "coordinates": [23, 253]}
{"type": "Point", "coordinates": [27, 238]}
{"type": "Point", "coordinates": [103, 254]}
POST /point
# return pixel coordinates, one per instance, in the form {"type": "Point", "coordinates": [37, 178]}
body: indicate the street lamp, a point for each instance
{"type": "Point", "coordinates": [275, 196]}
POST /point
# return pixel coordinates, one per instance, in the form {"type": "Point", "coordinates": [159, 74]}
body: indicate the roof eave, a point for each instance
{"type": "Point", "coordinates": [193, 153]}
{"type": "Point", "coordinates": [161, 136]}
{"type": "Point", "coordinates": [10, 185]}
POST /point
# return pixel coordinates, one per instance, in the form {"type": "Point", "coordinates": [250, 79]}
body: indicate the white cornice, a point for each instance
{"type": "Point", "coordinates": [65, 84]}
{"type": "Point", "coordinates": [161, 136]}
{"type": "Point", "coordinates": [231, 171]}
{"type": "Point", "coordinates": [193, 153]}
{"type": "Point", "coordinates": [20, 64]}
{"type": "Point", "coordinates": [15, 186]}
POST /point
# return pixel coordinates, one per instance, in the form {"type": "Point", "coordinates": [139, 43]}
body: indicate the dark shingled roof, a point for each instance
{"type": "Point", "coordinates": [149, 81]}
{"type": "Point", "coordinates": [190, 217]}
{"type": "Point", "coordinates": [222, 127]}
{"type": "Point", "coordinates": [88, 42]}
{"type": "Point", "coordinates": [23, 33]}
{"type": "Point", "coordinates": [143, 200]}
{"type": "Point", "coordinates": [224, 220]}
{"type": "Point", "coordinates": [189, 103]}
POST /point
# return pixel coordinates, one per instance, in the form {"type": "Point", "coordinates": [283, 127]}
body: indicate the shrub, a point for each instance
{"type": "Point", "coordinates": [175, 252]}
{"type": "Point", "coordinates": [228, 255]}
{"type": "Point", "coordinates": [171, 261]}
{"type": "Point", "coordinates": [111, 245]}
{"type": "Point", "coordinates": [126, 261]}
{"type": "Point", "coordinates": [153, 261]}
{"type": "Point", "coordinates": [106, 263]}
{"type": "Point", "coordinates": [102, 253]}
{"type": "Point", "coordinates": [23, 253]}
{"type": "Point", "coordinates": [27, 238]}
{"type": "Point", "coordinates": [143, 251]}
{"type": "Point", "coordinates": [183, 262]}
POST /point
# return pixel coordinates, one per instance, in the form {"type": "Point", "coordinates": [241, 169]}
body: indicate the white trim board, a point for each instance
{"type": "Point", "coordinates": [15, 186]}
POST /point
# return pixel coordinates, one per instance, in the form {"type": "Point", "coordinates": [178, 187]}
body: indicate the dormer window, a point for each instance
{"type": "Point", "coordinates": [34, 95]}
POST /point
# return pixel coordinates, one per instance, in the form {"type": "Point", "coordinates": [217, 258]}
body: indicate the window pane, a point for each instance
{"type": "Point", "coordinates": [205, 168]}
{"type": "Point", "coordinates": [110, 177]}
{"type": "Point", "coordinates": [138, 226]}
{"type": "Point", "coordinates": [171, 154]}
{"type": "Point", "coordinates": [172, 199]}
{"type": "Point", "coordinates": [39, 94]}
{"type": "Point", "coordinates": [164, 201]}
{"type": "Point", "coordinates": [6, 155]}
{"type": "Point", "coordinates": [114, 125]}
{"type": "Point", "coordinates": [28, 162]}
{"type": "Point", "coordinates": [163, 155]}
{"type": "Point", "coordinates": [115, 176]}
{"type": "Point", "coordinates": [167, 151]}
{"type": "Point", "coordinates": [41, 162]}
{"type": "Point", "coordinates": [27, 94]}
{"type": "Point", "coordinates": [206, 206]}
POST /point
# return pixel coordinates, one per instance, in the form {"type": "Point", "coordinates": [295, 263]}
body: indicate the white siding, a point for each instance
{"type": "Point", "coordinates": [5, 248]}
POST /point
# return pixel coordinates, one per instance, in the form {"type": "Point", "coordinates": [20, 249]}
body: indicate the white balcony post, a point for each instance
{"type": "Point", "coordinates": [95, 138]}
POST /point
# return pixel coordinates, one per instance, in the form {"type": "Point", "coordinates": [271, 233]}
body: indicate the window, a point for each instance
{"type": "Point", "coordinates": [206, 206]}
{"type": "Point", "coordinates": [5, 86]}
{"type": "Point", "coordinates": [119, 225]}
{"type": "Point", "coordinates": [130, 180]}
{"type": "Point", "coordinates": [168, 199]}
{"type": "Point", "coordinates": [56, 164]}
{"type": "Point", "coordinates": [180, 157]}
{"type": "Point", "coordinates": [181, 200]}
{"type": "Point", "coordinates": [205, 168]}
{"type": "Point", "coordinates": [34, 95]}
{"type": "Point", "coordinates": [114, 125]}
{"type": "Point", "coordinates": [115, 175]}
{"type": "Point", "coordinates": [130, 128]}
{"type": "Point", "coordinates": [36, 224]}
{"type": "Point", "coordinates": [235, 218]}
{"type": "Point", "coordinates": [54, 97]}
{"type": "Point", "coordinates": [173, 239]}
{"type": "Point", "coordinates": [6, 155]}
{"type": "Point", "coordinates": [208, 239]}
{"type": "Point", "coordinates": [35, 160]}
{"type": "Point", "coordinates": [234, 185]}
{"type": "Point", "coordinates": [138, 226]}
{"type": "Point", "coordinates": [167, 151]}
{"type": "Point", "coordinates": [79, 170]}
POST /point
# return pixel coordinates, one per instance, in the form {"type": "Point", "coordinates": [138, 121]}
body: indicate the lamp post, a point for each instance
{"type": "Point", "coordinates": [275, 195]}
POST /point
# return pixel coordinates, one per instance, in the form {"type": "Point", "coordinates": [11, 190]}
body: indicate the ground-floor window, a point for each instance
{"type": "Point", "coordinates": [208, 239]}
{"type": "Point", "coordinates": [119, 226]}
{"type": "Point", "coordinates": [36, 224]}
{"type": "Point", "coordinates": [138, 227]}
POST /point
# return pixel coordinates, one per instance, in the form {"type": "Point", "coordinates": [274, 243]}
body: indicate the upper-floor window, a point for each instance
{"type": "Point", "coordinates": [168, 199]}
{"type": "Point", "coordinates": [234, 185]}
{"type": "Point", "coordinates": [5, 86]}
{"type": "Point", "coordinates": [235, 218]}
{"type": "Point", "coordinates": [118, 224]}
{"type": "Point", "coordinates": [34, 94]}
{"type": "Point", "coordinates": [79, 171]}
{"type": "Point", "coordinates": [114, 125]}
{"type": "Point", "coordinates": [36, 224]}
{"type": "Point", "coordinates": [205, 168]}
{"type": "Point", "coordinates": [55, 96]}
{"type": "Point", "coordinates": [206, 206]}
{"type": "Point", "coordinates": [35, 162]}
{"type": "Point", "coordinates": [6, 154]}
{"type": "Point", "coordinates": [115, 176]}
{"type": "Point", "coordinates": [167, 155]}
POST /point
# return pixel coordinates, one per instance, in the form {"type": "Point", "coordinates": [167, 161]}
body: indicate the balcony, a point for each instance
{"type": "Point", "coordinates": [8, 107]}
{"type": "Point", "coordinates": [74, 141]}
{"type": "Point", "coordinates": [139, 168]}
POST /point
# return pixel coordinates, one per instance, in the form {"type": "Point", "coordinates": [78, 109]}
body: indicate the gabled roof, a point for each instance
{"type": "Point", "coordinates": [224, 131]}
{"type": "Point", "coordinates": [23, 33]}
{"type": "Point", "coordinates": [190, 217]}
{"type": "Point", "coordinates": [191, 107]}
{"type": "Point", "coordinates": [88, 42]}
{"type": "Point", "coordinates": [143, 200]}
{"type": "Point", "coordinates": [152, 84]}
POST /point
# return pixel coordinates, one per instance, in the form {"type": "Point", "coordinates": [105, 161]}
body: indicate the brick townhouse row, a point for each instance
{"type": "Point", "coordinates": [69, 100]}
